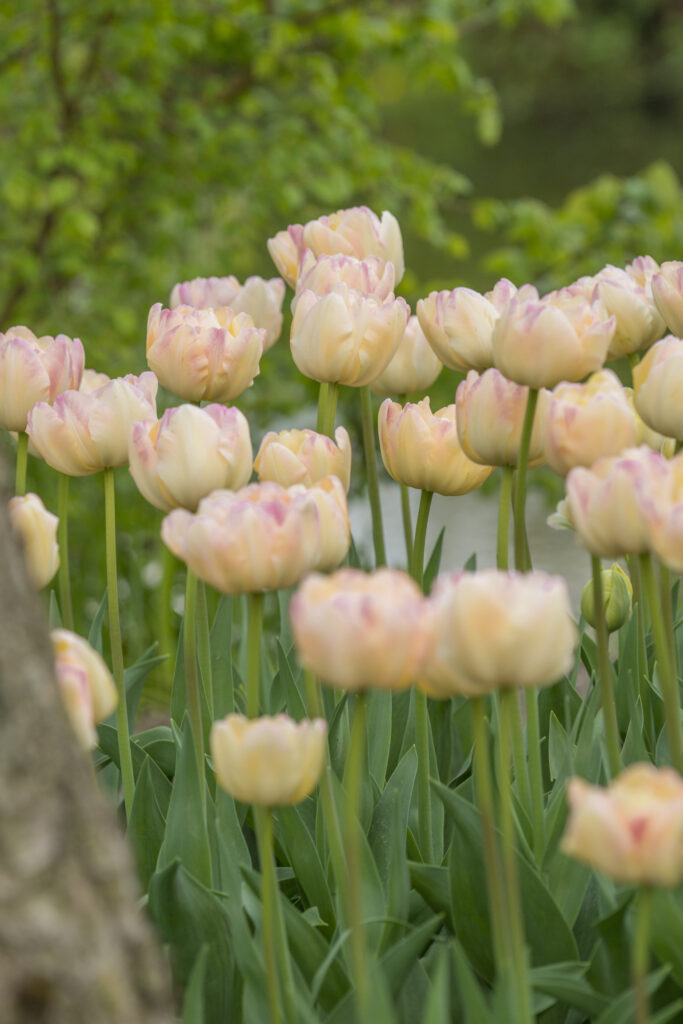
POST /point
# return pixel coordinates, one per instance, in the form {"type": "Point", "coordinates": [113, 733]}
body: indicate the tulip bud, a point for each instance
{"type": "Point", "coordinates": [657, 383]}
{"type": "Point", "coordinates": [638, 321]}
{"type": "Point", "coordinates": [260, 298]}
{"type": "Point", "coordinates": [490, 412]}
{"type": "Point", "coordinates": [86, 685]}
{"type": "Point", "coordinates": [617, 596]}
{"type": "Point", "coordinates": [271, 762]}
{"type": "Point", "coordinates": [35, 370]}
{"type": "Point", "coordinates": [667, 291]}
{"type": "Point", "coordinates": [38, 531]}
{"type": "Point", "coordinates": [632, 830]}
{"type": "Point", "coordinates": [413, 367]}
{"type": "Point", "coordinates": [371, 276]}
{"type": "Point", "coordinates": [304, 457]}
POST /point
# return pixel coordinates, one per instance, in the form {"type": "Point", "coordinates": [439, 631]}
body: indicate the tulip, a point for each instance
{"type": "Point", "coordinates": [371, 276]}
{"type": "Point", "coordinates": [490, 414]}
{"type": "Point", "coordinates": [421, 449]}
{"type": "Point", "coordinates": [496, 629]}
{"type": "Point", "coordinates": [84, 433]}
{"type": "Point", "coordinates": [638, 321]}
{"type": "Point", "coordinates": [360, 631]}
{"type": "Point", "coordinates": [667, 291]}
{"type": "Point", "coordinates": [355, 232]}
{"type": "Point", "coordinates": [304, 457]}
{"type": "Point", "coordinates": [35, 370]}
{"type": "Point", "coordinates": [617, 597]}
{"type": "Point", "coordinates": [657, 383]}
{"type": "Point", "coordinates": [177, 460]}
{"type": "Point", "coordinates": [37, 528]}
{"type": "Point", "coordinates": [260, 298]}
{"type": "Point", "coordinates": [414, 366]}
{"type": "Point", "coordinates": [632, 830]}
{"type": "Point", "coordinates": [614, 503]}
{"type": "Point", "coordinates": [268, 761]}
{"type": "Point", "coordinates": [542, 343]}
{"type": "Point", "coordinates": [585, 422]}
{"type": "Point", "coordinates": [642, 270]}
{"type": "Point", "coordinates": [92, 380]}
{"type": "Point", "coordinates": [85, 683]}
{"type": "Point", "coordinates": [667, 523]}
{"type": "Point", "coordinates": [344, 337]}
{"type": "Point", "coordinates": [262, 537]}
{"type": "Point", "coordinates": [210, 354]}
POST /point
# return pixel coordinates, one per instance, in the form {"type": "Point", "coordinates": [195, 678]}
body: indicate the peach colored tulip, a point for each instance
{"type": "Point", "coordinates": [92, 380]}
{"type": "Point", "coordinates": [177, 460]}
{"type": "Point", "coordinates": [259, 297]}
{"type": "Point", "coordinates": [371, 276]}
{"type": "Point", "coordinates": [658, 384]}
{"type": "Point", "coordinates": [86, 432]}
{"type": "Point", "coordinates": [346, 337]}
{"type": "Point", "coordinates": [586, 422]}
{"type": "Point", "coordinates": [414, 366]}
{"type": "Point", "coordinates": [271, 762]}
{"type": "Point", "coordinates": [421, 449]}
{"type": "Point", "coordinates": [85, 683]}
{"type": "Point", "coordinates": [496, 629]}
{"type": "Point", "coordinates": [642, 270]}
{"type": "Point", "coordinates": [38, 531]}
{"type": "Point", "coordinates": [490, 414]}
{"type": "Point", "coordinates": [667, 522]}
{"type": "Point", "coordinates": [360, 631]}
{"type": "Point", "coordinates": [638, 321]}
{"type": "Point", "coordinates": [631, 830]}
{"type": "Point", "coordinates": [667, 291]}
{"type": "Point", "coordinates": [304, 457]}
{"type": "Point", "coordinates": [35, 370]}
{"type": "Point", "coordinates": [354, 232]}
{"type": "Point", "coordinates": [210, 354]}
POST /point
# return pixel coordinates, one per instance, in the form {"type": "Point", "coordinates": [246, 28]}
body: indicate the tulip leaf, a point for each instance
{"type": "Point", "coordinates": [193, 1004]}
{"type": "Point", "coordinates": [431, 882]}
{"type": "Point", "coordinates": [54, 615]}
{"type": "Point", "coordinates": [221, 658]}
{"type": "Point", "coordinates": [178, 694]}
{"type": "Point", "coordinates": [560, 753]}
{"type": "Point", "coordinates": [95, 632]}
{"type": "Point", "coordinates": [147, 818]}
{"type": "Point", "coordinates": [379, 734]}
{"type": "Point", "coordinates": [566, 983]}
{"type": "Point", "coordinates": [232, 849]}
{"type": "Point", "coordinates": [474, 1004]}
{"type": "Point", "coordinates": [438, 1008]}
{"type": "Point", "coordinates": [667, 929]}
{"type": "Point", "coordinates": [390, 819]}
{"type": "Point", "coordinates": [621, 1009]}
{"type": "Point", "coordinates": [158, 743]}
{"type": "Point", "coordinates": [433, 562]}
{"type": "Point", "coordinates": [134, 678]}
{"type": "Point", "coordinates": [303, 857]}
{"type": "Point", "coordinates": [294, 701]}
{"type": "Point", "coordinates": [185, 837]}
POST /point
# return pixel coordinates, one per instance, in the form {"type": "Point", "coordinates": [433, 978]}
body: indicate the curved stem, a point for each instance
{"type": "Point", "coordinates": [522, 563]}
{"type": "Point", "coordinates": [194, 705]}
{"type": "Point", "coordinates": [417, 566]}
{"type": "Point", "coordinates": [640, 956]}
{"type": "Point", "coordinates": [609, 708]}
{"type": "Point", "coordinates": [65, 605]}
{"type": "Point", "coordinates": [368, 424]}
{"type": "Point", "coordinates": [123, 732]}
{"type": "Point", "coordinates": [327, 408]}
{"type": "Point", "coordinates": [354, 772]}
{"type": "Point", "coordinates": [254, 627]}
{"type": "Point", "coordinates": [204, 637]}
{"type": "Point", "coordinates": [264, 834]}
{"type": "Point", "coordinates": [503, 545]}
{"type": "Point", "coordinates": [22, 464]}
{"type": "Point", "coordinates": [672, 707]}
{"type": "Point", "coordinates": [533, 739]}
{"type": "Point", "coordinates": [407, 523]}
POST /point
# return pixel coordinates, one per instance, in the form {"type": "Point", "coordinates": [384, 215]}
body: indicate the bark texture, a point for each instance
{"type": "Point", "coordinates": [74, 947]}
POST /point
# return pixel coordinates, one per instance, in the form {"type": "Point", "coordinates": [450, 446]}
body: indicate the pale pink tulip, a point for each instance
{"type": "Point", "coordinates": [35, 370]}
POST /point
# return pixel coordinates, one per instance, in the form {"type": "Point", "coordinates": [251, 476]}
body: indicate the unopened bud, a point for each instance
{"type": "Point", "coordinates": [617, 595]}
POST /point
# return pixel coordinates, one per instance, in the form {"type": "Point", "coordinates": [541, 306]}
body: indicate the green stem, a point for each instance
{"type": "Point", "coordinates": [512, 890]}
{"type": "Point", "coordinates": [638, 601]}
{"type": "Point", "coordinates": [423, 789]}
{"type": "Point", "coordinates": [407, 523]}
{"type": "Point", "coordinates": [640, 954]}
{"type": "Point", "coordinates": [264, 833]}
{"type": "Point", "coordinates": [168, 567]}
{"type": "Point", "coordinates": [609, 708]}
{"type": "Point", "coordinates": [123, 732]}
{"type": "Point", "coordinates": [194, 705]}
{"type": "Point", "coordinates": [66, 606]}
{"type": "Point", "coordinates": [672, 708]}
{"type": "Point", "coordinates": [327, 407]}
{"type": "Point", "coordinates": [417, 567]}
{"type": "Point", "coordinates": [354, 774]}
{"type": "Point", "coordinates": [22, 464]}
{"type": "Point", "coordinates": [204, 637]}
{"type": "Point", "coordinates": [522, 563]}
{"type": "Point", "coordinates": [371, 470]}
{"type": "Point", "coordinates": [255, 627]}
{"type": "Point", "coordinates": [503, 547]}
{"type": "Point", "coordinates": [519, 760]}
{"type": "Point", "coordinates": [633, 360]}
{"type": "Point", "coordinates": [667, 611]}
{"type": "Point", "coordinates": [533, 739]}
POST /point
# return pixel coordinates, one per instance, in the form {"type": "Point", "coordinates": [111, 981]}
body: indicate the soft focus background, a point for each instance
{"type": "Point", "coordinates": [153, 141]}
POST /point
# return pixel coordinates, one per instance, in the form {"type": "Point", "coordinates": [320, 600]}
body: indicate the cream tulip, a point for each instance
{"type": "Point", "coordinates": [210, 354]}
{"type": "Point", "coordinates": [304, 457]}
{"type": "Point", "coordinates": [84, 433]}
{"type": "Point", "coordinates": [421, 449]}
{"type": "Point", "coordinates": [177, 460]}
{"type": "Point", "coordinates": [490, 415]}
{"type": "Point", "coordinates": [638, 321]}
{"type": "Point", "coordinates": [37, 529]}
{"type": "Point", "coordinates": [271, 762]}
{"type": "Point", "coordinates": [371, 276]}
{"type": "Point", "coordinates": [414, 366]}
{"type": "Point", "coordinates": [35, 370]}
{"type": "Point", "coordinates": [658, 386]}
{"type": "Point", "coordinates": [667, 291]}
{"type": "Point", "coordinates": [261, 298]}
{"type": "Point", "coordinates": [85, 683]}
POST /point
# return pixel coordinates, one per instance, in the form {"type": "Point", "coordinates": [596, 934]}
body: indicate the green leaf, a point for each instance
{"type": "Point", "coordinates": [432, 884]}
{"type": "Point", "coordinates": [566, 983]}
{"type": "Point", "coordinates": [193, 1004]}
{"type": "Point", "coordinates": [667, 929]}
{"type": "Point", "coordinates": [378, 734]}
{"type": "Point", "coordinates": [147, 818]}
{"type": "Point", "coordinates": [438, 1005]}
{"type": "Point", "coordinates": [390, 819]}
{"type": "Point", "coordinates": [95, 632]}
{"type": "Point", "coordinates": [185, 838]}
{"type": "Point", "coordinates": [54, 614]}
{"type": "Point", "coordinates": [470, 992]}
{"type": "Point", "coordinates": [621, 1009]}
{"type": "Point", "coordinates": [221, 658]}
{"type": "Point", "coordinates": [434, 562]}
{"type": "Point", "coordinates": [303, 857]}
{"type": "Point", "coordinates": [294, 701]}
{"type": "Point", "coordinates": [134, 679]}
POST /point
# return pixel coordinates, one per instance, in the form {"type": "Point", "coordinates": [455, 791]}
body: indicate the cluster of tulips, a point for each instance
{"type": "Point", "coordinates": [535, 392]}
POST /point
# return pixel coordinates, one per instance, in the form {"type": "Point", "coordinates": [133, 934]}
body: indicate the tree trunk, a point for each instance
{"type": "Point", "coordinates": [74, 946]}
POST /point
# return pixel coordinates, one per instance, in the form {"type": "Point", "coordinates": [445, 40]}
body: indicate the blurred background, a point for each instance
{"type": "Point", "coordinates": [153, 141]}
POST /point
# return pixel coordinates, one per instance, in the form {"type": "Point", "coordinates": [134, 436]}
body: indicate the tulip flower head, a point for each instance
{"type": "Point", "coordinates": [490, 413]}
{"type": "Point", "coordinates": [85, 683]}
{"type": "Point", "coordinates": [413, 367]}
{"type": "Point", "coordinates": [667, 291]}
{"type": "Point", "coordinates": [371, 276]}
{"type": "Point", "coordinates": [617, 595]}
{"type": "Point", "coordinates": [631, 830]}
{"type": "Point", "coordinates": [638, 322]}
{"type": "Point", "coordinates": [657, 383]}
{"type": "Point", "coordinates": [163, 455]}
{"type": "Point", "coordinates": [35, 370]}
{"type": "Point", "coordinates": [210, 354]}
{"type": "Point", "coordinates": [304, 457]}
{"type": "Point", "coordinates": [260, 298]}
{"type": "Point", "coordinates": [37, 528]}
{"type": "Point", "coordinates": [271, 762]}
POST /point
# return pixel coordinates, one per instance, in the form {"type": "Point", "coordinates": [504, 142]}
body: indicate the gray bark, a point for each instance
{"type": "Point", "coordinates": [74, 946]}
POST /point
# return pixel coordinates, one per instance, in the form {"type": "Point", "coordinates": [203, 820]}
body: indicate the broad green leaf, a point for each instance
{"type": "Point", "coordinates": [193, 1004]}
{"type": "Point", "coordinates": [221, 658]}
{"type": "Point", "coordinates": [621, 1010]}
{"type": "Point", "coordinates": [294, 700]}
{"type": "Point", "coordinates": [147, 818]}
{"type": "Point", "coordinates": [378, 734]}
{"type": "Point", "coordinates": [303, 857]}
{"type": "Point", "coordinates": [438, 1004]}
{"type": "Point", "coordinates": [390, 819]}
{"type": "Point", "coordinates": [667, 929]}
{"type": "Point", "coordinates": [566, 983]}
{"type": "Point", "coordinates": [433, 562]}
{"type": "Point", "coordinates": [473, 1001]}
{"type": "Point", "coordinates": [185, 838]}
{"type": "Point", "coordinates": [95, 632]}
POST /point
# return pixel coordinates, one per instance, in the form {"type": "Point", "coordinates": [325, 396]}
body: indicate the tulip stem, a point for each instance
{"type": "Point", "coordinates": [668, 678]}
{"type": "Point", "coordinates": [22, 463]}
{"type": "Point", "coordinates": [514, 903]}
{"type": "Point", "coordinates": [194, 705]}
{"type": "Point", "coordinates": [533, 740]}
{"type": "Point", "coordinates": [353, 779]}
{"type": "Point", "coordinates": [417, 566]}
{"type": "Point", "coordinates": [643, 685]}
{"type": "Point", "coordinates": [263, 820]}
{"type": "Point", "coordinates": [254, 627]}
{"type": "Point", "coordinates": [168, 566]}
{"type": "Point", "coordinates": [327, 407]}
{"type": "Point", "coordinates": [609, 709]}
{"type": "Point", "coordinates": [407, 523]}
{"type": "Point", "coordinates": [66, 607]}
{"type": "Point", "coordinates": [123, 732]}
{"type": "Point", "coordinates": [640, 954]}
{"type": "Point", "coordinates": [204, 637]}
{"type": "Point", "coordinates": [667, 611]}
{"type": "Point", "coordinates": [371, 470]}
{"type": "Point", "coordinates": [522, 561]}
{"type": "Point", "coordinates": [503, 548]}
